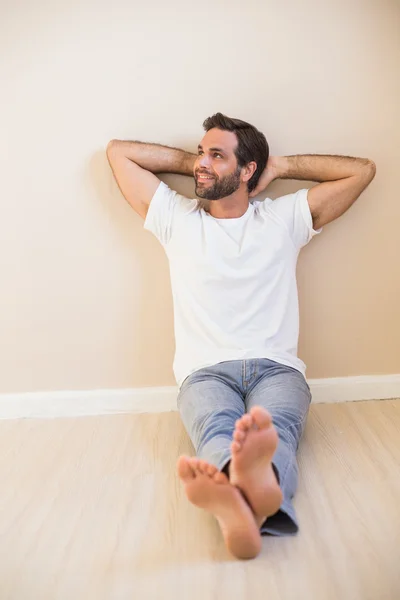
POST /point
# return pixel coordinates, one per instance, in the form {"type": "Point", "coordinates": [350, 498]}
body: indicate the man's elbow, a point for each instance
{"type": "Point", "coordinates": [370, 169]}
{"type": "Point", "coordinates": [111, 147]}
{"type": "Point", "coordinates": [365, 175]}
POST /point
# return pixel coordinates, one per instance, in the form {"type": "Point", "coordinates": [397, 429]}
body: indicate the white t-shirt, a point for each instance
{"type": "Point", "coordinates": [233, 280]}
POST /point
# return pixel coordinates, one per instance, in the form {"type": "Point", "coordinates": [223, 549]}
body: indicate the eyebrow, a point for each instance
{"type": "Point", "coordinates": [200, 147]}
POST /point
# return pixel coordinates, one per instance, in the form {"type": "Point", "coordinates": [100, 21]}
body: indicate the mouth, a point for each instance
{"type": "Point", "coordinates": [203, 178]}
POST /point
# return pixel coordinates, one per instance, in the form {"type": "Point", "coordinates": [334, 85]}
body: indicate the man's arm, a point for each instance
{"type": "Point", "coordinates": [342, 178]}
{"type": "Point", "coordinates": [134, 164]}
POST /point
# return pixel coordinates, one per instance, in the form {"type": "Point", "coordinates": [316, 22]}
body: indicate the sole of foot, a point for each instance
{"type": "Point", "coordinates": [208, 488]}
{"type": "Point", "coordinates": [254, 443]}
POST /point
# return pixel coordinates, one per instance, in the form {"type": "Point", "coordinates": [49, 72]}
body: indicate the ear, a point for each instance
{"type": "Point", "coordinates": [248, 171]}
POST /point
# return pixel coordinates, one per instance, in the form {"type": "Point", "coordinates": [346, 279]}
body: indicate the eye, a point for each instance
{"type": "Point", "coordinates": [216, 154]}
{"type": "Point", "coordinates": [200, 152]}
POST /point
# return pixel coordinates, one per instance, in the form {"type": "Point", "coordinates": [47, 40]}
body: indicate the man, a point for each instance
{"type": "Point", "coordinates": [243, 396]}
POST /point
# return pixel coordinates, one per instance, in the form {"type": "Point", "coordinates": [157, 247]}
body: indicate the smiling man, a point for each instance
{"type": "Point", "coordinates": [243, 395]}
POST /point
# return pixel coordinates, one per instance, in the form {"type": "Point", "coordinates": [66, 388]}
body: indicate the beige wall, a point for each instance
{"type": "Point", "coordinates": [85, 296]}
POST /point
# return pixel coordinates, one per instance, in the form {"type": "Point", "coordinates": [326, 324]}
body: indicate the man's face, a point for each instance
{"type": "Point", "coordinates": [216, 171]}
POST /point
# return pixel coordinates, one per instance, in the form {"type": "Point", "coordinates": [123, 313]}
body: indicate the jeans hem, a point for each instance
{"type": "Point", "coordinates": [284, 522]}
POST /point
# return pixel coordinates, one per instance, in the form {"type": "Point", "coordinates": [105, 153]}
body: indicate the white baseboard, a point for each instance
{"type": "Point", "coordinates": [73, 403]}
{"type": "Point", "coordinates": [352, 389]}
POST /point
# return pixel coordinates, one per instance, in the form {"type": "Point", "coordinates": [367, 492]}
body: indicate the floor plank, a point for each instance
{"type": "Point", "coordinates": [91, 508]}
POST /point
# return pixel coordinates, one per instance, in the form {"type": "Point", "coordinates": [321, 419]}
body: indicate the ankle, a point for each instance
{"type": "Point", "coordinates": [260, 521]}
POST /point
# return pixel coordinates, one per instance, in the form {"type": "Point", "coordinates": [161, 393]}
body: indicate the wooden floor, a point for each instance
{"type": "Point", "coordinates": [91, 508]}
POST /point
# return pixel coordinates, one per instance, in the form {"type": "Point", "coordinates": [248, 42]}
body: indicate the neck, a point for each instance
{"type": "Point", "coordinates": [230, 207]}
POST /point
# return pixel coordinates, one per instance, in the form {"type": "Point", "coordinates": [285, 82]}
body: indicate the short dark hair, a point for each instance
{"type": "Point", "coordinates": [252, 144]}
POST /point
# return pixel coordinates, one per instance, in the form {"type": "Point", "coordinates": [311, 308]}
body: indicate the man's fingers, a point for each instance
{"type": "Point", "coordinates": [254, 193]}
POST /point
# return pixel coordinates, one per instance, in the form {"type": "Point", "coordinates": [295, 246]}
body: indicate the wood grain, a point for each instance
{"type": "Point", "coordinates": [91, 508]}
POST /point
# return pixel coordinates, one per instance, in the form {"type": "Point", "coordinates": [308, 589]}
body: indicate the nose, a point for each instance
{"type": "Point", "coordinates": [204, 162]}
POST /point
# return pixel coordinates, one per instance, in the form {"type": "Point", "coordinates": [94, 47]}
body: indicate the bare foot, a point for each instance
{"type": "Point", "coordinates": [254, 442]}
{"type": "Point", "coordinates": [210, 489]}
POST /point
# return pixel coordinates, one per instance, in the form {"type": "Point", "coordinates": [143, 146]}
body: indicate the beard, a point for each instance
{"type": "Point", "coordinates": [221, 188]}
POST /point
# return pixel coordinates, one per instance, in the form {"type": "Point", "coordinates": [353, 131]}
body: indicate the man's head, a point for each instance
{"type": "Point", "coordinates": [232, 154]}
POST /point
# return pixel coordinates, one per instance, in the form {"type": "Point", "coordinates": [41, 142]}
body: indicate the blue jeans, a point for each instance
{"type": "Point", "coordinates": [210, 401]}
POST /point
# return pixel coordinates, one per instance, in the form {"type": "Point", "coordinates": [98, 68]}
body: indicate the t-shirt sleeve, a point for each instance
{"type": "Point", "coordinates": [164, 210]}
{"type": "Point", "coordinates": [294, 211]}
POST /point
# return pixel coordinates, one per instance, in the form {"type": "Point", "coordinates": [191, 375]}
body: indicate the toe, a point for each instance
{"type": "Point", "coordinates": [239, 435]}
{"type": "Point", "coordinates": [202, 467]}
{"type": "Point", "coordinates": [243, 424]}
{"type": "Point", "coordinates": [194, 463]}
{"type": "Point", "coordinates": [235, 447]}
{"type": "Point", "coordinates": [261, 417]}
{"type": "Point", "coordinates": [220, 477]}
{"type": "Point", "coordinates": [184, 468]}
{"type": "Point", "coordinates": [247, 421]}
{"type": "Point", "coordinates": [211, 470]}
